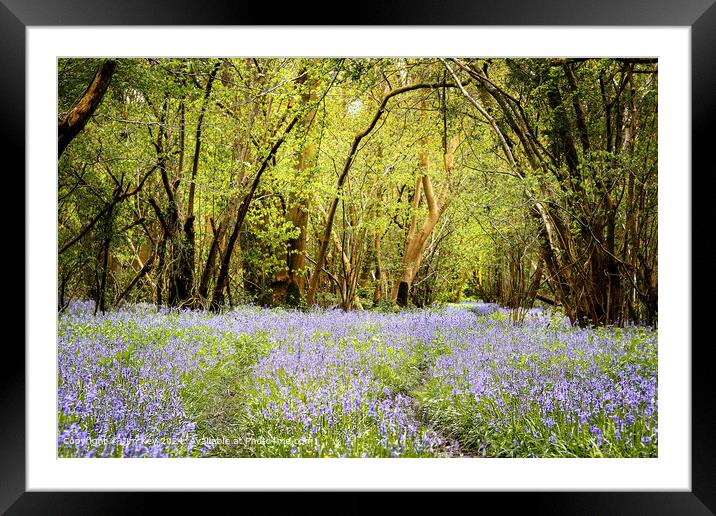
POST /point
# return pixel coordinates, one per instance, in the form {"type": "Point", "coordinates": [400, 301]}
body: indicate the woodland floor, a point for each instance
{"type": "Point", "coordinates": [459, 380]}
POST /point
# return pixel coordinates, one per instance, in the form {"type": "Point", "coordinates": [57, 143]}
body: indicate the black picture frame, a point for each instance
{"type": "Point", "coordinates": [700, 15]}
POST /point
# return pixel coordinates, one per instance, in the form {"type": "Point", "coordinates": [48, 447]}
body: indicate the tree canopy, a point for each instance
{"type": "Point", "coordinates": [360, 183]}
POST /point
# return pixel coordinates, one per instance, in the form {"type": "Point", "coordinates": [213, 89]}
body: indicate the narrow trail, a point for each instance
{"type": "Point", "coordinates": [420, 417]}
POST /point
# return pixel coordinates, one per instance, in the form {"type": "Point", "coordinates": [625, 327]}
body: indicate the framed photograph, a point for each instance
{"type": "Point", "coordinates": [308, 101]}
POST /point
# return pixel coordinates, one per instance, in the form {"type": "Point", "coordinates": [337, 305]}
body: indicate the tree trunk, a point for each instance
{"type": "Point", "coordinates": [379, 272]}
{"type": "Point", "coordinates": [101, 302]}
{"type": "Point", "coordinates": [211, 261]}
{"type": "Point", "coordinates": [70, 125]}
{"type": "Point", "coordinates": [416, 241]}
{"type": "Point", "coordinates": [142, 272]}
{"type": "Point", "coordinates": [289, 284]}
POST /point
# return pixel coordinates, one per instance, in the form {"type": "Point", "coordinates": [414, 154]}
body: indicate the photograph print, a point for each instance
{"type": "Point", "coordinates": [357, 257]}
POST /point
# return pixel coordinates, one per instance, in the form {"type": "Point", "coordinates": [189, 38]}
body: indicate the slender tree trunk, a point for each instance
{"type": "Point", "coordinates": [221, 282]}
{"type": "Point", "coordinates": [188, 247]}
{"type": "Point", "coordinates": [101, 302]}
{"type": "Point", "coordinates": [211, 260]}
{"type": "Point", "coordinates": [142, 272]}
{"type": "Point", "coordinates": [379, 273]}
{"type": "Point", "coordinates": [116, 199]}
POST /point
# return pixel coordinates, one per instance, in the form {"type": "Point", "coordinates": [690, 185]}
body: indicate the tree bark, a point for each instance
{"type": "Point", "coordinates": [71, 124]}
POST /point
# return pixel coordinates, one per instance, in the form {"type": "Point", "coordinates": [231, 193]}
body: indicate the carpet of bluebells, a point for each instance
{"type": "Point", "coordinates": [460, 380]}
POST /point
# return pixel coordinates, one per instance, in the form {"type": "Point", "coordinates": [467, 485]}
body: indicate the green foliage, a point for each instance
{"type": "Point", "coordinates": [488, 242]}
